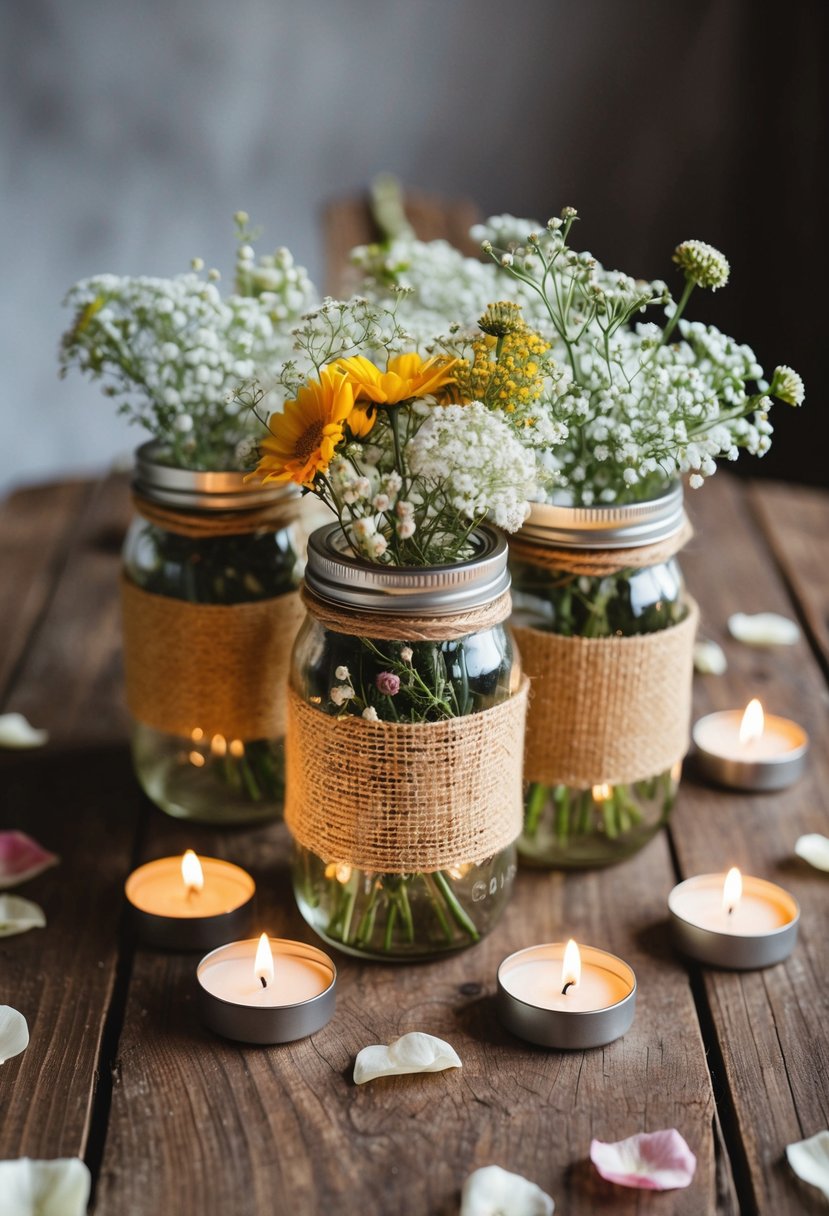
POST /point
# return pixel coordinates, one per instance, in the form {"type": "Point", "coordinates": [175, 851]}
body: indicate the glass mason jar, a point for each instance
{"type": "Point", "coordinates": [388, 663]}
{"type": "Point", "coordinates": [210, 610]}
{"type": "Point", "coordinates": [602, 573]}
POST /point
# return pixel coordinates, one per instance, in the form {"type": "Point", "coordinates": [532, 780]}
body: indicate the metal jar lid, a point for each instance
{"type": "Point", "coordinates": [608, 526]}
{"type": "Point", "coordinates": [200, 490]}
{"type": "Point", "coordinates": [334, 575]}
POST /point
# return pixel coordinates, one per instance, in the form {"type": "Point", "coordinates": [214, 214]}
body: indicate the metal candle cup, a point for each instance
{"type": "Point", "coordinates": [532, 1006]}
{"type": "Point", "coordinates": [761, 931]}
{"type": "Point", "coordinates": [167, 915]}
{"type": "Point", "coordinates": [298, 1001]}
{"type": "Point", "coordinates": [771, 762]}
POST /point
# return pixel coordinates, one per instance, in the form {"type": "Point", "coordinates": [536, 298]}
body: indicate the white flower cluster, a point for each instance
{"type": "Point", "coordinates": [338, 329]}
{"type": "Point", "coordinates": [474, 460]}
{"type": "Point", "coordinates": [280, 285]}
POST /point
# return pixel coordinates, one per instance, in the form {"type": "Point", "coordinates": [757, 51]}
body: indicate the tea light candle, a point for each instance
{"type": "Point", "coordinates": [266, 990]}
{"type": "Point", "coordinates": [562, 996]}
{"type": "Point", "coordinates": [190, 903]}
{"type": "Point", "coordinates": [727, 920]}
{"type": "Point", "coordinates": [750, 751]}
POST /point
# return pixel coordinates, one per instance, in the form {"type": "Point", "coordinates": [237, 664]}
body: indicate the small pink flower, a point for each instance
{"type": "Point", "coordinates": [388, 683]}
{"type": "Point", "coordinates": [653, 1161]}
{"type": "Point", "coordinates": [21, 858]}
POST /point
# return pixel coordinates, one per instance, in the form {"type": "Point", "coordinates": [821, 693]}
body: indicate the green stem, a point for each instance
{"type": "Point", "coordinates": [445, 888]}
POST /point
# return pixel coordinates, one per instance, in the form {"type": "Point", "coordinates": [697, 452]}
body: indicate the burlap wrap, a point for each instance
{"type": "Point", "coordinates": [199, 524]}
{"type": "Point", "coordinates": [396, 627]}
{"type": "Point", "coordinates": [612, 710]}
{"type": "Point", "coordinates": [598, 563]}
{"type": "Point", "coordinates": [221, 668]}
{"type": "Point", "coordinates": [397, 798]}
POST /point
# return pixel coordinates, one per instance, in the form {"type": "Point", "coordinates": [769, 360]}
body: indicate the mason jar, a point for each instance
{"type": "Point", "coordinates": [405, 738]}
{"type": "Point", "coordinates": [210, 611]}
{"type": "Point", "coordinates": [605, 624]}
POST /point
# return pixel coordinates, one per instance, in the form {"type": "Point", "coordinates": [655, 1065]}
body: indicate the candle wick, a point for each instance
{"type": "Point", "coordinates": [191, 891]}
{"type": "Point", "coordinates": [730, 909]}
{"type": "Point", "coordinates": [264, 981]}
{"type": "Point", "coordinates": [569, 984]}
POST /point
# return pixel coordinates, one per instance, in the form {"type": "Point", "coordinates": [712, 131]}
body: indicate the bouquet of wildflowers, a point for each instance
{"type": "Point", "coordinates": [172, 352]}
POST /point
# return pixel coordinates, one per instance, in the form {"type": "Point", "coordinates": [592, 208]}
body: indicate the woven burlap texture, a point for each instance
{"type": "Point", "coordinates": [270, 517]}
{"type": "Point", "coordinates": [613, 710]}
{"type": "Point", "coordinates": [399, 798]}
{"type": "Point", "coordinates": [218, 668]}
{"type": "Point", "coordinates": [397, 627]}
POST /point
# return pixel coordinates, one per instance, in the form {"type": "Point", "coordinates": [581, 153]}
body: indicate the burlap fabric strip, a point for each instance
{"type": "Point", "coordinates": [202, 524]}
{"type": "Point", "coordinates": [398, 798]}
{"type": "Point", "coordinates": [396, 627]}
{"type": "Point", "coordinates": [221, 668]}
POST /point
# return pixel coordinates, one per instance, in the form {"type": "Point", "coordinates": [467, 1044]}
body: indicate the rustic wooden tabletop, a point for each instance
{"type": "Point", "coordinates": [174, 1120]}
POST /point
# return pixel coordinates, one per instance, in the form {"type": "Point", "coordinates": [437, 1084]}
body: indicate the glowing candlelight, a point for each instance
{"type": "Point", "coordinates": [753, 723]}
{"type": "Point", "coordinates": [263, 963]}
{"type": "Point", "coordinates": [732, 890]}
{"type": "Point", "coordinates": [192, 873]}
{"type": "Point", "coordinates": [570, 967]}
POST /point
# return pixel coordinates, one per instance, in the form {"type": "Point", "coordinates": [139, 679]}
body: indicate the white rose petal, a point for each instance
{"type": "Point", "coordinates": [17, 731]}
{"type": "Point", "coordinates": [763, 629]}
{"type": "Point", "coordinates": [415, 1052]}
{"type": "Point", "coordinates": [709, 658]}
{"type": "Point", "coordinates": [18, 914]}
{"type": "Point", "coordinates": [492, 1191]}
{"type": "Point", "coordinates": [14, 1033]}
{"type": "Point", "coordinates": [44, 1188]}
{"type": "Point", "coordinates": [814, 848]}
{"type": "Point", "coordinates": [810, 1160]}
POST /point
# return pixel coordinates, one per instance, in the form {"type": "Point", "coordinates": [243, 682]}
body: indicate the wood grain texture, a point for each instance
{"type": "Point", "coordinates": [203, 1126]}
{"type": "Point", "coordinates": [770, 1025]}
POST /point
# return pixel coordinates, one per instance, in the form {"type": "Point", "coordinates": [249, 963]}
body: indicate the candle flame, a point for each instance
{"type": "Point", "coordinates": [263, 963]}
{"type": "Point", "coordinates": [753, 723]}
{"type": "Point", "coordinates": [570, 967]}
{"type": "Point", "coordinates": [192, 872]}
{"type": "Point", "coordinates": [732, 891]}
{"type": "Point", "coordinates": [602, 792]}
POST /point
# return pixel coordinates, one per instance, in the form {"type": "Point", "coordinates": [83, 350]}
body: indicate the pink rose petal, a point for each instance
{"type": "Point", "coordinates": [652, 1161]}
{"type": "Point", "coordinates": [22, 858]}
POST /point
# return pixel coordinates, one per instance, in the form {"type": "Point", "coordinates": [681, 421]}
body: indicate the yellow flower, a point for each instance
{"type": "Point", "coordinates": [405, 377]}
{"type": "Point", "coordinates": [304, 437]}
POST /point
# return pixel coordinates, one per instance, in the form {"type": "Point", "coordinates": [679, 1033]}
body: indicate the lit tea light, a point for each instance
{"type": "Point", "coordinates": [731, 920]}
{"type": "Point", "coordinates": [750, 750]}
{"type": "Point", "coordinates": [190, 903]}
{"type": "Point", "coordinates": [565, 996]}
{"type": "Point", "coordinates": [266, 990]}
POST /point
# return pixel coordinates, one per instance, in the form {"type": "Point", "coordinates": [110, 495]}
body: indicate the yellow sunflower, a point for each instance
{"type": "Point", "coordinates": [304, 437]}
{"type": "Point", "coordinates": [405, 377]}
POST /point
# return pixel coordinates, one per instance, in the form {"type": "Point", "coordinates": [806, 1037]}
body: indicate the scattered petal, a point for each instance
{"type": "Point", "coordinates": [709, 658]}
{"type": "Point", "coordinates": [44, 1188]}
{"type": "Point", "coordinates": [22, 858]}
{"type": "Point", "coordinates": [415, 1052]}
{"type": "Point", "coordinates": [652, 1161]}
{"type": "Point", "coordinates": [810, 1160]}
{"type": "Point", "coordinates": [17, 731]}
{"type": "Point", "coordinates": [491, 1191]}
{"type": "Point", "coordinates": [18, 914]}
{"type": "Point", "coordinates": [763, 629]}
{"type": "Point", "coordinates": [14, 1033]}
{"type": "Point", "coordinates": [814, 848]}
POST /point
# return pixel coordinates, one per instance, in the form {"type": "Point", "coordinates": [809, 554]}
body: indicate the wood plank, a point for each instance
{"type": "Point", "coordinates": [36, 526]}
{"type": "Point", "coordinates": [795, 521]}
{"type": "Point", "coordinates": [77, 797]}
{"type": "Point", "coordinates": [203, 1126]}
{"type": "Point", "coordinates": [769, 1025]}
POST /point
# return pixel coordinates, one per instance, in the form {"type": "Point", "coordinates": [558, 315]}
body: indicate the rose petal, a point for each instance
{"type": "Point", "coordinates": [18, 914]}
{"type": "Point", "coordinates": [22, 858]}
{"type": "Point", "coordinates": [14, 1033]}
{"type": "Point", "coordinates": [810, 1160]}
{"type": "Point", "coordinates": [653, 1161]}
{"type": "Point", "coordinates": [17, 731]}
{"type": "Point", "coordinates": [44, 1188]}
{"type": "Point", "coordinates": [709, 658]}
{"type": "Point", "coordinates": [814, 848]}
{"type": "Point", "coordinates": [415, 1052]}
{"type": "Point", "coordinates": [491, 1191]}
{"type": "Point", "coordinates": [763, 629]}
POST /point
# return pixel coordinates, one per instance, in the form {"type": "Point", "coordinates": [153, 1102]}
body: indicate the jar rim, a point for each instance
{"type": "Point", "coordinates": [607, 525]}
{"type": "Point", "coordinates": [349, 581]}
{"type": "Point", "coordinates": [202, 489]}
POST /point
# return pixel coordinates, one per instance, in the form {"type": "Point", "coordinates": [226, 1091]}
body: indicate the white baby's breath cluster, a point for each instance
{"type": "Point", "coordinates": [174, 351]}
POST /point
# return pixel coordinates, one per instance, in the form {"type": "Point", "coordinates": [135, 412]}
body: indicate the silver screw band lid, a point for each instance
{"type": "Point", "coordinates": [335, 575]}
{"type": "Point", "coordinates": [202, 490]}
{"type": "Point", "coordinates": [608, 526]}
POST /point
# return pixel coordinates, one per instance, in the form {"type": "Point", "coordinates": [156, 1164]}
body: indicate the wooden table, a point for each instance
{"type": "Point", "coordinates": [173, 1120]}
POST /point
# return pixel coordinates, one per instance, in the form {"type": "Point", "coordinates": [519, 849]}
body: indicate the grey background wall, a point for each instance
{"type": "Point", "coordinates": [131, 131]}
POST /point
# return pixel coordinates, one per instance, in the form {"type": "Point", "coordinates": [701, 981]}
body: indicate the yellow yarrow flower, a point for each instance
{"type": "Point", "coordinates": [504, 370]}
{"type": "Point", "coordinates": [304, 437]}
